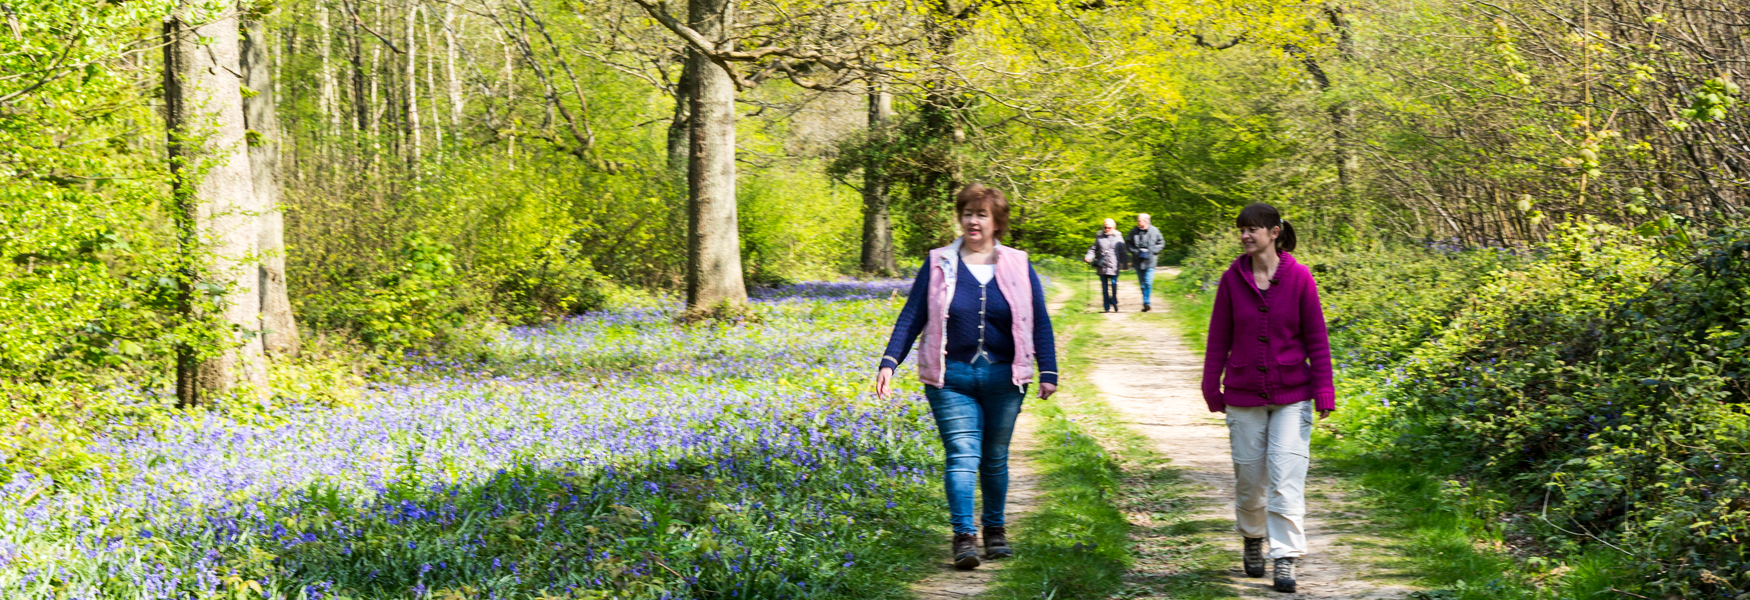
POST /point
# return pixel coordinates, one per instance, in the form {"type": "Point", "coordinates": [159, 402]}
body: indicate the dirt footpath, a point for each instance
{"type": "Point", "coordinates": [949, 583]}
{"type": "Point", "coordinates": [1151, 377]}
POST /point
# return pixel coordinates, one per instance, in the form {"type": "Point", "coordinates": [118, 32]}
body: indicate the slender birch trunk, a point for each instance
{"type": "Point", "coordinates": [431, 91]}
{"type": "Point", "coordinates": [509, 100]}
{"type": "Point", "coordinates": [415, 140]}
{"type": "Point", "coordinates": [329, 100]}
{"type": "Point", "coordinates": [455, 83]}
{"type": "Point", "coordinates": [374, 112]}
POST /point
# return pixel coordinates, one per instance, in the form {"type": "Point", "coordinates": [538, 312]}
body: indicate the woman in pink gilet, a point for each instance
{"type": "Point", "coordinates": [981, 312]}
{"type": "Point", "coordinates": [1268, 366]}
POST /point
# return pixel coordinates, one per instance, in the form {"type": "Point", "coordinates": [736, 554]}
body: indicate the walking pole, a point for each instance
{"type": "Point", "coordinates": [1088, 296]}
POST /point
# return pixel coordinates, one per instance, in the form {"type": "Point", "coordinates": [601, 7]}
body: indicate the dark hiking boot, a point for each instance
{"type": "Point", "coordinates": [1254, 557]}
{"type": "Point", "coordinates": [1284, 575]}
{"type": "Point", "coordinates": [996, 544]}
{"type": "Point", "coordinates": [1145, 308]}
{"type": "Point", "coordinates": [965, 550]}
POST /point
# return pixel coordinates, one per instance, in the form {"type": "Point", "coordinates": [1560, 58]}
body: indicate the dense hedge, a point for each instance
{"type": "Point", "coordinates": [1597, 382]}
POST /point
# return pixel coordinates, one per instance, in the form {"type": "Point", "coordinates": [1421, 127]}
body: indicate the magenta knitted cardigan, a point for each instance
{"type": "Point", "coordinates": [1267, 347]}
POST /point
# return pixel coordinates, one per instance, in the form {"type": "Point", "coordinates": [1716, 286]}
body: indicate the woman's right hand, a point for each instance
{"type": "Point", "coordinates": [884, 383]}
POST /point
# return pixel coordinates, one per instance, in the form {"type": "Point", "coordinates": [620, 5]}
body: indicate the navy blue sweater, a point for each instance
{"type": "Point", "coordinates": [963, 323]}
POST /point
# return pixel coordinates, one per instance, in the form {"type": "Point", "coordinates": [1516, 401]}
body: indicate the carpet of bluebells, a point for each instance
{"type": "Point", "coordinates": [616, 455]}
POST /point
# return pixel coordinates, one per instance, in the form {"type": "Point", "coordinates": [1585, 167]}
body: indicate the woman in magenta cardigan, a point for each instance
{"type": "Point", "coordinates": [1268, 367]}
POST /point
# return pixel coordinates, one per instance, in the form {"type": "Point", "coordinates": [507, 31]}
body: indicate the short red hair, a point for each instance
{"type": "Point", "coordinates": [978, 195]}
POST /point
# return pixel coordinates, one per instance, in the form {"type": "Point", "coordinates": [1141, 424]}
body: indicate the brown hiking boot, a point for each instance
{"type": "Point", "coordinates": [1254, 557]}
{"type": "Point", "coordinates": [996, 544]}
{"type": "Point", "coordinates": [1284, 575]}
{"type": "Point", "coordinates": [965, 550]}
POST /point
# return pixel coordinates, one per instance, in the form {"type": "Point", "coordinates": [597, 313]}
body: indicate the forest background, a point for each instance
{"type": "Point", "coordinates": [1558, 183]}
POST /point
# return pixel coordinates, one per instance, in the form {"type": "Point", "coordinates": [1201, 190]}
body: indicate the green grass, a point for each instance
{"type": "Point", "coordinates": [1074, 543]}
{"type": "Point", "coordinates": [1189, 309]}
{"type": "Point", "coordinates": [1453, 546]}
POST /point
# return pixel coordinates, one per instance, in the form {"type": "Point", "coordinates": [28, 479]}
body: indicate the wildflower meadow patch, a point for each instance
{"type": "Point", "coordinates": [615, 455]}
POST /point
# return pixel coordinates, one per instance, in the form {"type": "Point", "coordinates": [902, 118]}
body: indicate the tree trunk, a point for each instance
{"type": "Point", "coordinates": [1342, 132]}
{"type": "Point", "coordinates": [215, 198]}
{"type": "Point", "coordinates": [330, 100]}
{"type": "Point", "coordinates": [679, 126]}
{"type": "Point", "coordinates": [714, 240]}
{"type": "Point", "coordinates": [415, 140]}
{"type": "Point", "coordinates": [455, 83]}
{"type": "Point", "coordinates": [374, 118]}
{"type": "Point", "coordinates": [431, 90]}
{"type": "Point", "coordinates": [878, 255]}
{"type": "Point", "coordinates": [360, 108]}
{"type": "Point", "coordinates": [279, 333]}
{"type": "Point", "coordinates": [1343, 117]}
{"type": "Point", "coordinates": [509, 103]}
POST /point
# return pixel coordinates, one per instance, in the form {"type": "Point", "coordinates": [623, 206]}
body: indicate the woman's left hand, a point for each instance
{"type": "Point", "coordinates": [1046, 390]}
{"type": "Point", "coordinates": [1323, 414]}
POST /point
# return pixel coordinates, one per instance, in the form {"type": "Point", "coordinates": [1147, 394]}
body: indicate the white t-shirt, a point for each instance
{"type": "Point", "coordinates": [982, 273]}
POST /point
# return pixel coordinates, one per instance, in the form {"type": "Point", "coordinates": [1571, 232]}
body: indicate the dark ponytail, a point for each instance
{"type": "Point", "coordinates": [1266, 216]}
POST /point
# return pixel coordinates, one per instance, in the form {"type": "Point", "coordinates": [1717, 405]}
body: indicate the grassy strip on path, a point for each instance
{"type": "Point", "coordinates": [1078, 542]}
{"type": "Point", "coordinates": [1451, 546]}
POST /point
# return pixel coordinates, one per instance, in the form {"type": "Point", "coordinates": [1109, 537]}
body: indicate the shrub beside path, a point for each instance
{"type": "Point", "coordinates": [1151, 377]}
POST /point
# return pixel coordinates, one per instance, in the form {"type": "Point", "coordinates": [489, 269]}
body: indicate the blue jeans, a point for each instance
{"type": "Point", "coordinates": [975, 412]}
{"type": "Point", "coordinates": [1109, 292]}
{"type": "Point", "coordinates": [1145, 278]}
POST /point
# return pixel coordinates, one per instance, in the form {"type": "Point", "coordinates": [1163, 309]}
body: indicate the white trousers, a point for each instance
{"type": "Point", "coordinates": [1270, 449]}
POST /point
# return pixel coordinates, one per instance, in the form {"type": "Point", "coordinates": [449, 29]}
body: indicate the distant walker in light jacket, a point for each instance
{"type": "Point", "coordinates": [1268, 366]}
{"type": "Point", "coordinates": [981, 311]}
{"type": "Point", "coordinates": [1107, 255]}
{"type": "Point", "coordinates": [1145, 243]}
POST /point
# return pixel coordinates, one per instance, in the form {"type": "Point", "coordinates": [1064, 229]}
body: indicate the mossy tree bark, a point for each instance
{"type": "Point", "coordinates": [680, 125]}
{"type": "Point", "coordinates": [216, 203]}
{"type": "Point", "coordinates": [279, 329]}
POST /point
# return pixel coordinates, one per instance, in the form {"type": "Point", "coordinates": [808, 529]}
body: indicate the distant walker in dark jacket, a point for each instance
{"type": "Point", "coordinates": [1268, 366]}
{"type": "Point", "coordinates": [1145, 243]}
{"type": "Point", "coordinates": [1107, 255]}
